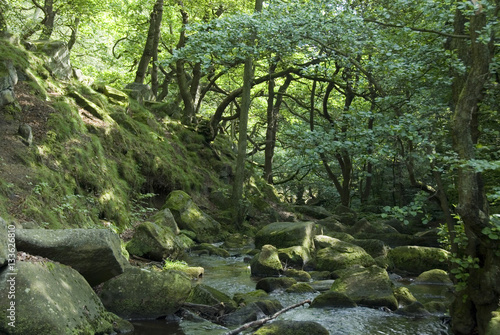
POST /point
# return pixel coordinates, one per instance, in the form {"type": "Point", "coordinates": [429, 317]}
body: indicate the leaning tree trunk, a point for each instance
{"type": "Point", "coordinates": [471, 310]}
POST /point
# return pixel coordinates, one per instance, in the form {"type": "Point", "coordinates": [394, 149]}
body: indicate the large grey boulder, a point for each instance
{"type": "Point", "coordinates": [95, 253]}
{"type": "Point", "coordinates": [337, 254]}
{"type": "Point", "coordinates": [206, 295]}
{"type": "Point", "coordinates": [416, 259]}
{"type": "Point", "coordinates": [190, 217]}
{"type": "Point", "coordinates": [287, 234]}
{"type": "Point", "coordinates": [58, 62]}
{"type": "Point", "coordinates": [8, 79]}
{"type": "Point", "coordinates": [142, 293]}
{"type": "Point", "coordinates": [154, 242]}
{"type": "Point", "coordinates": [51, 298]}
{"type": "Point", "coordinates": [369, 287]}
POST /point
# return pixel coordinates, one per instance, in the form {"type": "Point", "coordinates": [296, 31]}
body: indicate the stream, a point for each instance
{"type": "Point", "coordinates": [232, 275]}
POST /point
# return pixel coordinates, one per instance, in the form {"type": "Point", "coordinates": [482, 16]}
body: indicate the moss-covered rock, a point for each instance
{"type": "Point", "coordinates": [5, 239]}
{"type": "Point", "coordinates": [95, 253]}
{"type": "Point", "coordinates": [207, 295]}
{"type": "Point", "coordinates": [237, 241]}
{"type": "Point", "coordinates": [298, 275]}
{"type": "Point", "coordinates": [164, 218]}
{"type": "Point", "coordinates": [416, 259]}
{"type": "Point", "coordinates": [210, 249]}
{"type": "Point", "coordinates": [333, 299]}
{"type": "Point", "coordinates": [494, 324]}
{"type": "Point", "coordinates": [316, 212]}
{"type": "Point", "coordinates": [266, 263]}
{"type": "Point", "coordinates": [295, 256]}
{"type": "Point", "coordinates": [404, 296]}
{"type": "Point", "coordinates": [300, 288]}
{"type": "Point", "coordinates": [289, 327]}
{"type": "Point", "coordinates": [141, 293]}
{"type": "Point", "coordinates": [154, 242]}
{"type": "Point", "coordinates": [51, 298]}
{"type": "Point", "coordinates": [375, 248]}
{"type": "Point", "coordinates": [189, 216]}
{"type": "Point", "coordinates": [434, 276]}
{"type": "Point", "coordinates": [287, 234]}
{"type": "Point", "coordinates": [341, 255]}
{"type": "Point", "coordinates": [415, 309]}
{"type": "Point", "coordinates": [252, 311]}
{"type": "Point", "coordinates": [369, 286]}
{"type": "Point", "coordinates": [245, 298]}
{"type": "Point", "coordinates": [273, 284]}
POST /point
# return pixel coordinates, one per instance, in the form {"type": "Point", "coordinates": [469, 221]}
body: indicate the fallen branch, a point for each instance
{"type": "Point", "coordinates": [260, 322]}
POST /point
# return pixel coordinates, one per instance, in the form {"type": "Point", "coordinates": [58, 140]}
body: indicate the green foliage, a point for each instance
{"type": "Point", "coordinates": [414, 208]}
{"type": "Point", "coordinates": [174, 265]}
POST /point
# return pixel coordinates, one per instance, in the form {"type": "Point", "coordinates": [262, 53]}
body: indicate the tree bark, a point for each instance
{"type": "Point", "coordinates": [48, 20]}
{"type": "Point", "coordinates": [152, 41]}
{"type": "Point", "coordinates": [74, 33]}
{"type": "Point", "coordinates": [471, 310]}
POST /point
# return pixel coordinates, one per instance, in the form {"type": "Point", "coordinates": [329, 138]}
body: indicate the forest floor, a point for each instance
{"type": "Point", "coordinates": [14, 170]}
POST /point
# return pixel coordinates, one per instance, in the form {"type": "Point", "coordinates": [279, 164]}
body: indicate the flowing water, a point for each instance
{"type": "Point", "coordinates": [232, 275]}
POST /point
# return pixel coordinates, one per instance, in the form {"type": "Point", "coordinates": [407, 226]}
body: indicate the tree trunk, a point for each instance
{"type": "Point", "coordinates": [48, 20]}
{"type": "Point", "coordinates": [152, 40]}
{"type": "Point", "coordinates": [471, 310]}
{"type": "Point", "coordinates": [74, 33]}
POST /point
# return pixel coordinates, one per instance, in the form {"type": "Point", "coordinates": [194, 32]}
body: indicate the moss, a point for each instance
{"type": "Point", "coordinates": [300, 288]}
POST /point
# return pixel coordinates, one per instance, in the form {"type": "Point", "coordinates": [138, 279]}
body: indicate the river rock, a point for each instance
{"type": "Point", "coordinates": [375, 248]}
{"type": "Point", "coordinates": [370, 286]}
{"type": "Point", "coordinates": [416, 259]}
{"type": "Point", "coordinates": [415, 309]}
{"type": "Point", "coordinates": [316, 212]}
{"type": "Point", "coordinates": [434, 276]}
{"type": "Point", "coordinates": [209, 249]}
{"type": "Point", "coordinates": [51, 298]}
{"type": "Point", "coordinates": [164, 218]}
{"type": "Point", "coordinates": [300, 288]}
{"type": "Point", "coordinates": [341, 255]}
{"type": "Point", "coordinates": [95, 253]}
{"type": "Point", "coordinates": [154, 242]}
{"type": "Point", "coordinates": [58, 62]}
{"type": "Point", "coordinates": [404, 296]}
{"type": "Point", "coordinates": [189, 216]}
{"type": "Point", "coordinates": [273, 284]}
{"type": "Point", "coordinates": [266, 263]}
{"type": "Point", "coordinates": [252, 311]}
{"type": "Point", "coordinates": [287, 234]}
{"type": "Point", "coordinates": [8, 79]}
{"type": "Point", "coordinates": [145, 294]}
{"type": "Point", "coordinates": [333, 299]}
{"type": "Point", "coordinates": [298, 275]}
{"type": "Point", "coordinates": [290, 327]}
{"type": "Point", "coordinates": [295, 256]}
{"type": "Point", "coordinates": [206, 295]}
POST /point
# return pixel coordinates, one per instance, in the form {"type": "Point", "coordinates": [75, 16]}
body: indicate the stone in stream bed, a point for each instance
{"type": "Point", "coordinates": [288, 327]}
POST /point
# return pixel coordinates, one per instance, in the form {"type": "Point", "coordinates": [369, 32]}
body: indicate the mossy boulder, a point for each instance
{"type": "Point", "coordinates": [415, 309]}
{"type": "Point", "coordinates": [189, 216]}
{"type": "Point", "coordinates": [245, 298]}
{"type": "Point", "coordinates": [95, 253]}
{"type": "Point", "coordinates": [300, 288]}
{"type": "Point", "coordinates": [341, 255]}
{"type": "Point", "coordinates": [51, 298]}
{"type": "Point", "coordinates": [333, 299]}
{"type": "Point", "coordinates": [142, 293]}
{"type": "Point", "coordinates": [290, 327]}
{"type": "Point", "coordinates": [434, 276]}
{"type": "Point", "coordinates": [316, 212]}
{"type": "Point", "coordinates": [375, 248]}
{"type": "Point", "coordinates": [331, 225]}
{"type": "Point", "coordinates": [295, 256]}
{"type": "Point", "coordinates": [154, 242]}
{"type": "Point", "coordinates": [251, 312]}
{"type": "Point", "coordinates": [416, 259]}
{"type": "Point", "coordinates": [8, 79]}
{"type": "Point", "coordinates": [237, 241]}
{"type": "Point", "coordinates": [346, 215]}
{"type": "Point", "coordinates": [209, 249]}
{"type": "Point", "coordinates": [287, 234]}
{"type": "Point", "coordinates": [266, 263]}
{"type": "Point", "coordinates": [370, 286]}
{"type": "Point", "coordinates": [299, 275]}
{"type": "Point", "coordinates": [493, 327]}
{"type": "Point", "coordinates": [164, 218]}
{"type": "Point", "coordinates": [58, 62]}
{"type": "Point", "coordinates": [207, 295]}
{"type": "Point", "coordinates": [273, 284]}
{"type": "Point", "coordinates": [404, 296]}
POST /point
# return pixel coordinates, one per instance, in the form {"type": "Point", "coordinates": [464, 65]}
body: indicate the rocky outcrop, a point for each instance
{"type": "Point", "coordinates": [289, 327]}
{"type": "Point", "coordinates": [95, 253]}
{"type": "Point", "coordinates": [189, 216]}
{"type": "Point", "coordinates": [415, 259]}
{"type": "Point", "coordinates": [141, 293]}
{"type": "Point", "coordinates": [154, 242]}
{"type": "Point", "coordinates": [58, 62]}
{"type": "Point", "coordinates": [51, 298]}
{"type": "Point", "coordinates": [8, 79]}
{"type": "Point", "coordinates": [287, 234]}
{"type": "Point", "coordinates": [369, 287]}
{"type": "Point", "coordinates": [266, 263]}
{"type": "Point", "coordinates": [339, 255]}
{"type": "Point", "coordinates": [140, 92]}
